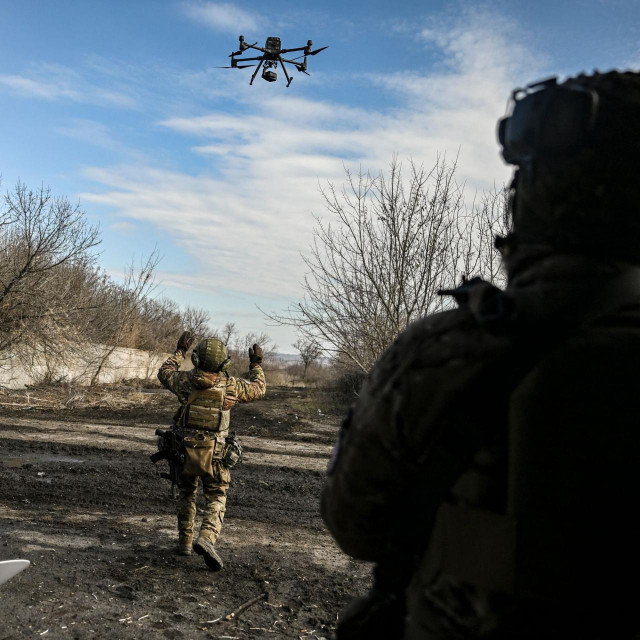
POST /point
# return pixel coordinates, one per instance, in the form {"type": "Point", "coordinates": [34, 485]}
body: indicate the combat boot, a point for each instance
{"type": "Point", "coordinates": [204, 547]}
{"type": "Point", "coordinates": [185, 543]}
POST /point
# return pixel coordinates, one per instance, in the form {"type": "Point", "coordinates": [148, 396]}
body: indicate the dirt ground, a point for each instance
{"type": "Point", "coordinates": [80, 499]}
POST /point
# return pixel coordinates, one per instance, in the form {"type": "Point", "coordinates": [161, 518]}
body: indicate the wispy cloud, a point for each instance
{"type": "Point", "coordinates": [57, 82]}
{"type": "Point", "coordinates": [223, 16]}
{"type": "Point", "coordinates": [123, 227]}
{"type": "Point", "coordinates": [91, 132]}
{"type": "Point", "coordinates": [246, 220]}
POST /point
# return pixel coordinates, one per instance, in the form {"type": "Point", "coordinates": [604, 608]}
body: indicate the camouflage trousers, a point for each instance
{"type": "Point", "coordinates": [214, 490]}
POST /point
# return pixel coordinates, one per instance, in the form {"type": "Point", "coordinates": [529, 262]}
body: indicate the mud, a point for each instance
{"type": "Point", "coordinates": [80, 500]}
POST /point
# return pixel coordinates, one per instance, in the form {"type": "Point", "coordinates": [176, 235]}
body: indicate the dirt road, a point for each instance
{"type": "Point", "coordinates": [80, 500]}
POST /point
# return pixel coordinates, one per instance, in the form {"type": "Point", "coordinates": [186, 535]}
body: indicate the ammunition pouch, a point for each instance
{"type": "Point", "coordinates": [200, 451]}
{"type": "Point", "coordinates": [232, 452]}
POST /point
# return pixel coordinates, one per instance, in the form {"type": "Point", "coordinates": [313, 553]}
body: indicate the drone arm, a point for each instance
{"type": "Point", "coordinates": [255, 73]}
{"type": "Point", "coordinates": [243, 48]}
{"type": "Point", "coordinates": [300, 66]}
{"type": "Point", "coordinates": [289, 50]}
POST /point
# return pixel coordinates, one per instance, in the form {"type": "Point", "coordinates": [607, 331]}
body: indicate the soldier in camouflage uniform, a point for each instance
{"type": "Point", "coordinates": [490, 467]}
{"type": "Point", "coordinates": [206, 395]}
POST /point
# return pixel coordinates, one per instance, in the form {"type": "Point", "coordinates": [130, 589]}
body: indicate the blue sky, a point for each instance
{"type": "Point", "coordinates": [119, 104]}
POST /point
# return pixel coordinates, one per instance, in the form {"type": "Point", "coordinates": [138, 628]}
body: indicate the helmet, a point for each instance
{"type": "Point", "coordinates": [210, 354]}
{"type": "Point", "coordinates": [577, 148]}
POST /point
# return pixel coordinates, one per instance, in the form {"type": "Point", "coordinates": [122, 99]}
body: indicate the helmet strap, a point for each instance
{"type": "Point", "coordinates": [224, 364]}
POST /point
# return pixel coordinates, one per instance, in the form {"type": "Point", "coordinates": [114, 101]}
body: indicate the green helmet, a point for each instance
{"type": "Point", "coordinates": [211, 355]}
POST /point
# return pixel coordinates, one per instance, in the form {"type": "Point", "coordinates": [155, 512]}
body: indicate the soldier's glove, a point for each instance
{"type": "Point", "coordinates": [255, 356]}
{"type": "Point", "coordinates": [185, 341]}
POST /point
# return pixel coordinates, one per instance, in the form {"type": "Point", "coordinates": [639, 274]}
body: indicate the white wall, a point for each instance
{"type": "Point", "coordinates": [121, 364]}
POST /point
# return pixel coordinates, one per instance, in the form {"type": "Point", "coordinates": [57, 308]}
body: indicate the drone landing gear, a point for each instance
{"type": "Point", "coordinates": [255, 73]}
{"type": "Point", "coordinates": [286, 75]}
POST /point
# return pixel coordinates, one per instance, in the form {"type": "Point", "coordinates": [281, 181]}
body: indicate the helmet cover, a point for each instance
{"type": "Point", "coordinates": [211, 355]}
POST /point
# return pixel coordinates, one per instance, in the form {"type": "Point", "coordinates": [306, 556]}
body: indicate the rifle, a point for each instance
{"type": "Point", "coordinates": [170, 449]}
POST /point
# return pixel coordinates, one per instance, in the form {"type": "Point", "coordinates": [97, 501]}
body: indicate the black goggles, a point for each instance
{"type": "Point", "coordinates": [547, 119]}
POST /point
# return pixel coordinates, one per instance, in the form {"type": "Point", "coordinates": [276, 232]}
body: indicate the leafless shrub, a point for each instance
{"type": "Point", "coordinates": [47, 271]}
{"type": "Point", "coordinates": [238, 346]}
{"type": "Point", "coordinates": [197, 321]}
{"type": "Point", "coordinates": [119, 313]}
{"type": "Point", "coordinates": [391, 243]}
{"type": "Point", "coordinates": [309, 350]}
{"type": "Point", "coordinates": [57, 306]}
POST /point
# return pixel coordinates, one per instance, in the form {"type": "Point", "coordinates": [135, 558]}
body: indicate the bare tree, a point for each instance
{"type": "Point", "coordinates": [156, 325]}
{"type": "Point", "coordinates": [309, 350]}
{"type": "Point", "coordinates": [238, 346]}
{"type": "Point", "coordinates": [125, 302]}
{"type": "Point", "coordinates": [46, 268]}
{"type": "Point", "coordinates": [197, 321]}
{"type": "Point", "coordinates": [228, 334]}
{"type": "Point", "coordinates": [390, 245]}
{"type": "Point", "coordinates": [58, 308]}
{"type": "Point", "coordinates": [477, 231]}
{"type": "Point", "coordinates": [251, 338]}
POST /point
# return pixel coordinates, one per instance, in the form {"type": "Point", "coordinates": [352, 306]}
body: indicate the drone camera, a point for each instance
{"type": "Point", "coordinates": [270, 76]}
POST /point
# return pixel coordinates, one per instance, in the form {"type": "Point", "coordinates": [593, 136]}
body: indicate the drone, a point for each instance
{"type": "Point", "coordinates": [272, 54]}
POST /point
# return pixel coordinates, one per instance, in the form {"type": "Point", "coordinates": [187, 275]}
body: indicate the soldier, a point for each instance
{"type": "Point", "coordinates": [206, 395]}
{"type": "Point", "coordinates": [491, 464]}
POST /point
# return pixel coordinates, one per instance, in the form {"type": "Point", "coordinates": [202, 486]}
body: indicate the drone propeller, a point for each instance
{"type": "Point", "coordinates": [311, 53]}
{"type": "Point", "coordinates": [238, 66]}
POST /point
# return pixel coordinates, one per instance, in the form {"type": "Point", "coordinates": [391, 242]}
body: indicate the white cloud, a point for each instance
{"type": "Point", "coordinates": [246, 221]}
{"type": "Point", "coordinates": [123, 227]}
{"type": "Point", "coordinates": [37, 89]}
{"type": "Point", "coordinates": [56, 82]}
{"type": "Point", "coordinates": [91, 132]}
{"type": "Point", "coordinates": [223, 16]}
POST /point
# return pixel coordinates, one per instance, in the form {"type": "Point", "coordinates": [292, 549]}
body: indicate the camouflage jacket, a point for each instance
{"type": "Point", "coordinates": [238, 389]}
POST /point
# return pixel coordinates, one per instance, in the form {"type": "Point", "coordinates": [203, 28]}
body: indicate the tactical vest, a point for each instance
{"type": "Point", "coordinates": [204, 411]}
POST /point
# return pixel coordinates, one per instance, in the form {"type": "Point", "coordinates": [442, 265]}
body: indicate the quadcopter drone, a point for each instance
{"type": "Point", "coordinates": [271, 55]}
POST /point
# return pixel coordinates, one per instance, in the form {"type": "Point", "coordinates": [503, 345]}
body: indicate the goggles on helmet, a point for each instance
{"type": "Point", "coordinates": [547, 119]}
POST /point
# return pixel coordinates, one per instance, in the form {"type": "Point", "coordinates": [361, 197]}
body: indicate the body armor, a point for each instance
{"type": "Point", "coordinates": [204, 410]}
{"type": "Point", "coordinates": [204, 425]}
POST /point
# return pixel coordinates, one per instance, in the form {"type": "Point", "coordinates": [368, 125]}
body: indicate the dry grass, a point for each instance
{"type": "Point", "coordinates": [66, 396]}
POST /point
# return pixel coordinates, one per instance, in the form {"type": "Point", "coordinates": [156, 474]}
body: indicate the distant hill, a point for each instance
{"type": "Point", "coordinates": [294, 358]}
{"type": "Point", "coordinates": [286, 358]}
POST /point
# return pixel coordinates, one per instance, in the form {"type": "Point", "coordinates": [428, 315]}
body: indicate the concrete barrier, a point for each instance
{"type": "Point", "coordinates": [17, 372]}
